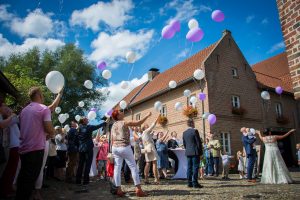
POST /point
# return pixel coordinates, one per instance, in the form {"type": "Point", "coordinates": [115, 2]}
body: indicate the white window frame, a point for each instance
{"type": "Point", "coordinates": [163, 110]}
{"type": "Point", "coordinates": [234, 72]}
{"type": "Point", "coordinates": [138, 117]}
{"type": "Point", "coordinates": [235, 101]}
{"type": "Point", "coordinates": [278, 109]}
{"type": "Point", "coordinates": [226, 136]}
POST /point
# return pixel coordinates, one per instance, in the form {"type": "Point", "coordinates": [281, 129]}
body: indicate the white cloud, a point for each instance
{"type": "Point", "coordinates": [265, 21]}
{"type": "Point", "coordinates": [249, 18]}
{"type": "Point", "coordinates": [7, 48]}
{"type": "Point", "coordinates": [276, 47]}
{"type": "Point", "coordinates": [183, 54]}
{"type": "Point", "coordinates": [185, 9]}
{"type": "Point", "coordinates": [114, 14]}
{"type": "Point", "coordinates": [4, 14]}
{"type": "Point", "coordinates": [116, 93]}
{"type": "Point", "coordinates": [113, 48]}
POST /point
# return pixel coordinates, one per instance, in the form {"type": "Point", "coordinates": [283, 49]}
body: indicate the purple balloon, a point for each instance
{"type": "Point", "coordinates": [218, 16]}
{"type": "Point", "coordinates": [168, 32]}
{"type": "Point", "coordinates": [94, 109]}
{"type": "Point", "coordinates": [212, 119]}
{"type": "Point", "coordinates": [110, 112]}
{"type": "Point", "coordinates": [279, 90]}
{"type": "Point", "coordinates": [101, 65]}
{"type": "Point", "coordinates": [195, 35]}
{"type": "Point", "coordinates": [202, 96]}
{"type": "Point", "coordinates": [175, 24]}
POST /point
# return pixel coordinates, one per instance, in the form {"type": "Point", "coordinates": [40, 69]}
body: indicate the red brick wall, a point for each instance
{"type": "Point", "coordinates": [289, 14]}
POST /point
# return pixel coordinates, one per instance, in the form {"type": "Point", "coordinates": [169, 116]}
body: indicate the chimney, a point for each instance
{"type": "Point", "coordinates": [226, 32]}
{"type": "Point", "coordinates": [152, 73]}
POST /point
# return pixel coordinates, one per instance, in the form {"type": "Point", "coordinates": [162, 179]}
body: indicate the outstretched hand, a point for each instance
{"type": "Point", "coordinates": [292, 130]}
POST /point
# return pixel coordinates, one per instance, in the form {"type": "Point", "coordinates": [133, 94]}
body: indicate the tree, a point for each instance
{"type": "Point", "coordinates": [30, 68]}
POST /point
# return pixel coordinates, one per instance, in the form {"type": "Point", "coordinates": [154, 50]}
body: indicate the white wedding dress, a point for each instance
{"type": "Point", "coordinates": [274, 169]}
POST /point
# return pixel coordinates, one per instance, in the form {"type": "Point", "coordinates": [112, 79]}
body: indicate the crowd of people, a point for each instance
{"type": "Point", "coordinates": [32, 149]}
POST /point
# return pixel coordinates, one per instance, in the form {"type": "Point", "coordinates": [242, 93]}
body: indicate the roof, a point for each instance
{"type": "Point", "coordinates": [274, 72]}
{"type": "Point", "coordinates": [6, 86]}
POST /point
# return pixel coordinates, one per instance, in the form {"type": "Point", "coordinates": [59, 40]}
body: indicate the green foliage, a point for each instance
{"type": "Point", "coordinates": [30, 69]}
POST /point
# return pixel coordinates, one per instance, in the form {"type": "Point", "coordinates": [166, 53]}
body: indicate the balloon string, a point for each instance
{"type": "Point", "coordinates": [132, 66]}
{"type": "Point", "coordinates": [191, 49]}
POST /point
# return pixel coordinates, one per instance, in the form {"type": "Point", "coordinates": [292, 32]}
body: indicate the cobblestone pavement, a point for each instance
{"type": "Point", "coordinates": [214, 188]}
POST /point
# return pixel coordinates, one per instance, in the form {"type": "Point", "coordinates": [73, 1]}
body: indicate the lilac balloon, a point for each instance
{"type": "Point", "coordinates": [202, 96]}
{"type": "Point", "coordinates": [195, 35]}
{"type": "Point", "coordinates": [279, 90]}
{"type": "Point", "coordinates": [212, 119]}
{"type": "Point", "coordinates": [218, 16]}
{"type": "Point", "coordinates": [110, 112]}
{"type": "Point", "coordinates": [168, 32]}
{"type": "Point", "coordinates": [175, 24]}
{"type": "Point", "coordinates": [101, 65]}
{"type": "Point", "coordinates": [94, 109]}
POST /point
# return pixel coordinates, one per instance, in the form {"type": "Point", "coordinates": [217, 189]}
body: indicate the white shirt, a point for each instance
{"type": "Point", "coordinates": [61, 146]}
{"type": "Point", "coordinates": [14, 134]}
{"type": "Point", "coordinates": [132, 143]}
{"type": "Point", "coordinates": [226, 159]}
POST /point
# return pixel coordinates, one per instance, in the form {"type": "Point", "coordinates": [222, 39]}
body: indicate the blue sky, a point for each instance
{"type": "Point", "coordinates": [106, 30]}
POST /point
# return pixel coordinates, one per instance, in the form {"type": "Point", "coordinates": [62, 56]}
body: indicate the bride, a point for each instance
{"type": "Point", "coordinates": [274, 169]}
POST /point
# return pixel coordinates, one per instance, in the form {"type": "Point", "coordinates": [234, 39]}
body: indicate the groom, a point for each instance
{"type": "Point", "coordinates": [251, 153]}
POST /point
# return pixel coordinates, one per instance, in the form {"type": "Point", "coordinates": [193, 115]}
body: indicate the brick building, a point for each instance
{"type": "Point", "coordinates": [289, 14]}
{"type": "Point", "coordinates": [230, 84]}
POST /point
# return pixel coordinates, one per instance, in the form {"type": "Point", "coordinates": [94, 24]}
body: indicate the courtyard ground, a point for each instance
{"type": "Point", "coordinates": [214, 188]}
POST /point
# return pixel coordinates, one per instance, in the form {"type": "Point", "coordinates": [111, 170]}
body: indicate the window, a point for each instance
{"type": "Point", "coordinates": [163, 110]}
{"type": "Point", "coordinates": [225, 141]}
{"type": "Point", "coordinates": [138, 117]}
{"type": "Point", "coordinates": [235, 101]}
{"type": "Point", "coordinates": [234, 72]}
{"type": "Point", "coordinates": [278, 108]}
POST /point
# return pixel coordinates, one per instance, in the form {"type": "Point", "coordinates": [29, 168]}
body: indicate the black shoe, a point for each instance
{"type": "Point", "coordinates": [198, 186]}
{"type": "Point", "coordinates": [190, 186]}
{"type": "Point", "coordinates": [223, 177]}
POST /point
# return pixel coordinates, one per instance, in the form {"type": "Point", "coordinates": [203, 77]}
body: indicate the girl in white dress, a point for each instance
{"type": "Point", "coordinates": [274, 168]}
{"type": "Point", "coordinates": [241, 167]}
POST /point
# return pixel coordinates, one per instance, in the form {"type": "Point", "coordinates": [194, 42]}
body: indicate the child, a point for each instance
{"type": "Point", "coordinates": [226, 164]}
{"type": "Point", "coordinates": [202, 167]}
{"type": "Point", "coordinates": [241, 164]}
{"type": "Point", "coordinates": [102, 157]}
{"type": "Point", "coordinates": [298, 153]}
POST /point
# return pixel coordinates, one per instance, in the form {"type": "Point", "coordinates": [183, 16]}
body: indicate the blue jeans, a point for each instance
{"type": "Point", "coordinates": [209, 168]}
{"type": "Point", "coordinates": [216, 161]}
{"type": "Point", "coordinates": [192, 169]}
{"type": "Point", "coordinates": [250, 166]}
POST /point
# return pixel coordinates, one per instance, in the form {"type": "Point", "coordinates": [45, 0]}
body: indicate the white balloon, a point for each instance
{"type": "Point", "coordinates": [106, 74]}
{"type": "Point", "coordinates": [265, 95]}
{"type": "Point", "coordinates": [124, 84]}
{"type": "Point", "coordinates": [81, 104]}
{"type": "Point", "coordinates": [252, 130]}
{"type": "Point", "coordinates": [88, 84]}
{"type": "Point", "coordinates": [130, 57]}
{"type": "Point", "coordinates": [123, 104]}
{"type": "Point", "coordinates": [158, 106]}
{"type": "Point", "coordinates": [55, 81]}
{"type": "Point", "coordinates": [199, 74]}
{"type": "Point", "coordinates": [57, 110]}
{"type": "Point", "coordinates": [187, 93]}
{"type": "Point", "coordinates": [67, 115]}
{"type": "Point", "coordinates": [178, 106]}
{"type": "Point", "coordinates": [193, 100]}
{"type": "Point", "coordinates": [62, 118]}
{"type": "Point", "coordinates": [205, 115]}
{"type": "Point", "coordinates": [92, 115]}
{"type": "Point", "coordinates": [172, 84]}
{"type": "Point", "coordinates": [67, 127]}
{"type": "Point", "coordinates": [77, 118]}
{"type": "Point", "coordinates": [193, 23]}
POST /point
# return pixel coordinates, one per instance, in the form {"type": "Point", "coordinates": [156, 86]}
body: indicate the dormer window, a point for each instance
{"type": "Point", "coordinates": [234, 72]}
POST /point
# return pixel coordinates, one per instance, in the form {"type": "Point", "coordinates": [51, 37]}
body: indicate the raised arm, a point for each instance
{"type": "Point", "coordinates": [259, 135]}
{"type": "Point", "coordinates": [138, 123]}
{"type": "Point", "coordinates": [56, 101]}
{"type": "Point", "coordinates": [95, 127]}
{"type": "Point", "coordinates": [279, 137]}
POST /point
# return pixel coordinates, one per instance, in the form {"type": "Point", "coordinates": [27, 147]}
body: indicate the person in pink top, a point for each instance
{"type": "Point", "coordinates": [102, 156]}
{"type": "Point", "coordinates": [35, 125]}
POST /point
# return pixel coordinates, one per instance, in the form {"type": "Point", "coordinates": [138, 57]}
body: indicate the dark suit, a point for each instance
{"type": "Point", "coordinates": [193, 150]}
{"type": "Point", "coordinates": [251, 154]}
